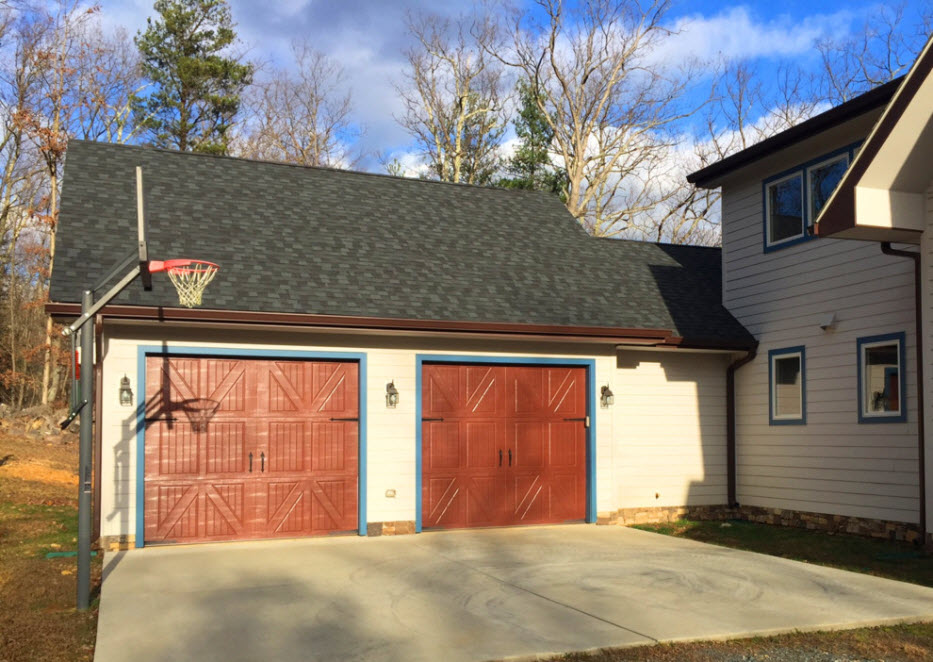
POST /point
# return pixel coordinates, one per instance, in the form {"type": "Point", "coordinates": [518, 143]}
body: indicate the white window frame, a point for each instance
{"type": "Point", "coordinates": [775, 356]}
{"type": "Point", "coordinates": [803, 209]}
{"type": "Point", "coordinates": [865, 412]}
{"type": "Point", "coordinates": [812, 213]}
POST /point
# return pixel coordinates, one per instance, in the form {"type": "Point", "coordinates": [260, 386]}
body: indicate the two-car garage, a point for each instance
{"type": "Point", "coordinates": [240, 448]}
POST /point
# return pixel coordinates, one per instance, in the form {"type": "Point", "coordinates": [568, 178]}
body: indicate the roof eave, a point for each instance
{"type": "Point", "coordinates": [643, 337]}
{"type": "Point", "coordinates": [712, 175]}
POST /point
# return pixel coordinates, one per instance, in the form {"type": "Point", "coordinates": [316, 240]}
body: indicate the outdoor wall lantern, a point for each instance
{"type": "Point", "coordinates": [391, 395]}
{"type": "Point", "coordinates": [126, 393]}
{"type": "Point", "coordinates": [606, 397]}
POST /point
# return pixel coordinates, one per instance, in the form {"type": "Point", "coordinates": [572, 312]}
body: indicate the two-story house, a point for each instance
{"type": "Point", "coordinates": [830, 414]}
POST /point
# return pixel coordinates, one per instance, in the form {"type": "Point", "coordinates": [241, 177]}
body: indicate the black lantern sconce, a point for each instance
{"type": "Point", "coordinates": [126, 393]}
{"type": "Point", "coordinates": [606, 398]}
{"type": "Point", "coordinates": [391, 395]}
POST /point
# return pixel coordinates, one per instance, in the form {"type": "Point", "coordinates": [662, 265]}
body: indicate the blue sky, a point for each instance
{"type": "Point", "coordinates": [367, 38]}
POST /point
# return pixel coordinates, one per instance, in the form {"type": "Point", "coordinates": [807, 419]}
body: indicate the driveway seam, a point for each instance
{"type": "Point", "coordinates": [544, 597]}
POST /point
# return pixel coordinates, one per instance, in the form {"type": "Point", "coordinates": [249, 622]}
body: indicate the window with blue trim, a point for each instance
{"type": "Point", "coordinates": [793, 199]}
{"type": "Point", "coordinates": [787, 386]}
{"type": "Point", "coordinates": [881, 379]}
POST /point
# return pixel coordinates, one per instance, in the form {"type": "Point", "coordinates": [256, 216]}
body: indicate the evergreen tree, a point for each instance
{"type": "Point", "coordinates": [531, 167]}
{"type": "Point", "coordinates": [195, 90]}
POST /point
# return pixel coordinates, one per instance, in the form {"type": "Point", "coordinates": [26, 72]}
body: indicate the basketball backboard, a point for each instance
{"type": "Point", "coordinates": [143, 231]}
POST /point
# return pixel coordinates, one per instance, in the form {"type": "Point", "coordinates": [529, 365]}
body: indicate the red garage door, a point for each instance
{"type": "Point", "coordinates": [240, 449]}
{"type": "Point", "coordinates": [503, 445]}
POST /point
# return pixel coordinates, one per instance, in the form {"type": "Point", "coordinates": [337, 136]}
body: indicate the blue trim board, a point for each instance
{"type": "Point", "coordinates": [152, 350]}
{"type": "Point", "coordinates": [799, 349]}
{"type": "Point", "coordinates": [589, 364]}
{"type": "Point", "coordinates": [901, 339]}
{"type": "Point", "coordinates": [800, 169]}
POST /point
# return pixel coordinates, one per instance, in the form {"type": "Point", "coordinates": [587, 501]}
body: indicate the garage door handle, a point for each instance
{"type": "Point", "coordinates": [251, 463]}
{"type": "Point", "coordinates": [510, 457]}
{"type": "Point", "coordinates": [500, 457]}
{"type": "Point", "coordinates": [431, 419]}
{"type": "Point", "coordinates": [262, 462]}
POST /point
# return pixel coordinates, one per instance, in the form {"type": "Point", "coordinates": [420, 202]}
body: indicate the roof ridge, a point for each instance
{"type": "Point", "coordinates": [228, 157]}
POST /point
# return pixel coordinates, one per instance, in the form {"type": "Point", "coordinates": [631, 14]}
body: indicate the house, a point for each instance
{"type": "Point", "coordinates": [830, 414]}
{"type": "Point", "coordinates": [381, 355]}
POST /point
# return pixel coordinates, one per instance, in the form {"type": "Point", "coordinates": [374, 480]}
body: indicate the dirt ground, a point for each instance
{"type": "Point", "coordinates": [38, 514]}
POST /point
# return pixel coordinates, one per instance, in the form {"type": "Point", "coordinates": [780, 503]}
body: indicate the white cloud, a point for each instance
{"type": "Point", "coordinates": [736, 33]}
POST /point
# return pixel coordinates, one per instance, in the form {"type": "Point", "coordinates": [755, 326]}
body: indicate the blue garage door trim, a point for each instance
{"type": "Point", "coordinates": [589, 364]}
{"type": "Point", "coordinates": [158, 350]}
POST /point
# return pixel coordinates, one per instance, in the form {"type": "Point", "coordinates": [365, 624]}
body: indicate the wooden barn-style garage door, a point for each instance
{"type": "Point", "coordinates": [503, 445]}
{"type": "Point", "coordinates": [239, 449]}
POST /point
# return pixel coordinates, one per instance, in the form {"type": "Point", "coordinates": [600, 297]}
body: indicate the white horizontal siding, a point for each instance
{"type": "Point", "coordinates": [832, 464]}
{"type": "Point", "coordinates": [670, 426]}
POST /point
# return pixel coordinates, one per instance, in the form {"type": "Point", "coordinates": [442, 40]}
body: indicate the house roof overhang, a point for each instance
{"type": "Point", "coordinates": [882, 195]}
{"type": "Point", "coordinates": [588, 334]}
{"type": "Point", "coordinates": [712, 175]}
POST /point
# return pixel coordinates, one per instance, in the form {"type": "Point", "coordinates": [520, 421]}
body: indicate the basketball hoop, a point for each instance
{"type": "Point", "coordinates": [189, 277]}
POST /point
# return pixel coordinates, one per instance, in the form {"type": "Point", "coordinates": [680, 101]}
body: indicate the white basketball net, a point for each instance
{"type": "Point", "coordinates": [190, 281]}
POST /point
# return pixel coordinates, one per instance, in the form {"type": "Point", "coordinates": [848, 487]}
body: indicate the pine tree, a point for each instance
{"type": "Point", "coordinates": [195, 88]}
{"type": "Point", "coordinates": [531, 167]}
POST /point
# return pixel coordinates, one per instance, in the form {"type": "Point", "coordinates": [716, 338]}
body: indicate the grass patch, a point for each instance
{"type": "Point", "coordinates": [905, 643]}
{"type": "Point", "coordinates": [884, 558]}
{"type": "Point", "coordinates": [38, 619]}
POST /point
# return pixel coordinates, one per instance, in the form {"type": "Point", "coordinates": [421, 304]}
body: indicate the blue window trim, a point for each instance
{"type": "Point", "coordinates": [802, 351]}
{"type": "Point", "coordinates": [802, 170]}
{"type": "Point", "coordinates": [589, 364]}
{"type": "Point", "coordinates": [901, 338]}
{"type": "Point", "coordinates": [144, 351]}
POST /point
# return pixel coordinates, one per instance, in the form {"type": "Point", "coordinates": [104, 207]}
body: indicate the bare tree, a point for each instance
{"type": "Point", "coordinates": [883, 49]}
{"type": "Point", "coordinates": [454, 93]}
{"type": "Point", "coordinates": [301, 116]}
{"type": "Point", "coordinates": [609, 99]}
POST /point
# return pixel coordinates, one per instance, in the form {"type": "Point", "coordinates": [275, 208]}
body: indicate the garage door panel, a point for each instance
{"type": "Point", "coordinates": [441, 391]}
{"type": "Point", "coordinates": [483, 442]}
{"type": "Point", "coordinates": [441, 441]}
{"type": "Point", "coordinates": [566, 444]}
{"type": "Point", "coordinates": [441, 504]}
{"type": "Point", "coordinates": [529, 444]}
{"type": "Point", "coordinates": [484, 503]}
{"type": "Point", "coordinates": [286, 447]}
{"type": "Point", "coordinates": [225, 448]}
{"type": "Point", "coordinates": [482, 391]}
{"type": "Point", "coordinates": [303, 478]}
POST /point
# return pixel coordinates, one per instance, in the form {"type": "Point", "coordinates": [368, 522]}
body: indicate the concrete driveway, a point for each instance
{"type": "Point", "coordinates": [468, 595]}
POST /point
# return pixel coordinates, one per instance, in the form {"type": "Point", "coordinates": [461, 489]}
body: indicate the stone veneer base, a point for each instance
{"type": "Point", "coordinates": [859, 526]}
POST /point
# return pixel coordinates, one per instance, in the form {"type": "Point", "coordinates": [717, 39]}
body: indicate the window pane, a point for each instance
{"type": "Point", "coordinates": [823, 181]}
{"type": "Point", "coordinates": [787, 386]}
{"type": "Point", "coordinates": [785, 206]}
{"type": "Point", "coordinates": [882, 379]}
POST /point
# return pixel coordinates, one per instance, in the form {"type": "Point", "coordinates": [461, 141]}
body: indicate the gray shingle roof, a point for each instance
{"type": "Point", "coordinates": [312, 240]}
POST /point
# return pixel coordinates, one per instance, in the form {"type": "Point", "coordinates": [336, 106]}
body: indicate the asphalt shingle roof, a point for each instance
{"type": "Point", "coordinates": [293, 239]}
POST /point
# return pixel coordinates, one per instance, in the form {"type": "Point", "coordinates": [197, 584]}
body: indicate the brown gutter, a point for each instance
{"type": "Point", "coordinates": [640, 336]}
{"type": "Point", "coordinates": [918, 315]}
{"type": "Point", "coordinates": [730, 425]}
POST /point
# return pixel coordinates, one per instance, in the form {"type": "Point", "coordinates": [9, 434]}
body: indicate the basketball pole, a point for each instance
{"type": "Point", "coordinates": [85, 455]}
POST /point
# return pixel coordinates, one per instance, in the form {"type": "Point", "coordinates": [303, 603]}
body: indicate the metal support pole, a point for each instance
{"type": "Point", "coordinates": [84, 454]}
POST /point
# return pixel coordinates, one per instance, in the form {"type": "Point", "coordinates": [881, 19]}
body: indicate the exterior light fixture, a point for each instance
{"type": "Point", "coordinates": [606, 397]}
{"type": "Point", "coordinates": [126, 393]}
{"type": "Point", "coordinates": [391, 395]}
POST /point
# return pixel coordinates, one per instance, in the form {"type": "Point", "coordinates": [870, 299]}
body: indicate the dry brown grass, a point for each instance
{"type": "Point", "coordinates": [902, 643]}
{"type": "Point", "coordinates": [38, 514]}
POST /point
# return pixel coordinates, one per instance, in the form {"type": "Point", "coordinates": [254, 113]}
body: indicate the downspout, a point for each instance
{"type": "Point", "coordinates": [730, 424]}
{"type": "Point", "coordinates": [918, 316]}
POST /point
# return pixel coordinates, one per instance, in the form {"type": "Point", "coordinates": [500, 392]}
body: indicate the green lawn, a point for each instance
{"type": "Point", "coordinates": [895, 560]}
